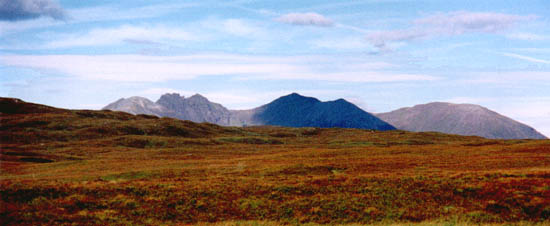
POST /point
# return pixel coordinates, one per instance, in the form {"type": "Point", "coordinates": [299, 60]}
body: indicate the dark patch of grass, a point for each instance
{"type": "Point", "coordinates": [249, 140]}
{"type": "Point", "coordinates": [35, 160]}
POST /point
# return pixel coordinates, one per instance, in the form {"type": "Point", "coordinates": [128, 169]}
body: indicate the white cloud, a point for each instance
{"type": "Point", "coordinates": [164, 68]}
{"type": "Point", "coordinates": [240, 28]}
{"type": "Point", "coordinates": [110, 13]}
{"type": "Point", "coordinates": [463, 22]}
{"type": "Point", "coordinates": [527, 58]}
{"type": "Point", "coordinates": [526, 36]}
{"type": "Point", "coordinates": [118, 35]}
{"type": "Point", "coordinates": [533, 50]}
{"type": "Point", "coordinates": [342, 44]}
{"type": "Point", "coordinates": [506, 77]}
{"type": "Point", "coordinates": [448, 24]}
{"type": "Point", "coordinates": [309, 19]}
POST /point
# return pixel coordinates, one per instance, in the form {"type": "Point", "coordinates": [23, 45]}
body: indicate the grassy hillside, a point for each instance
{"type": "Point", "coordinates": [61, 167]}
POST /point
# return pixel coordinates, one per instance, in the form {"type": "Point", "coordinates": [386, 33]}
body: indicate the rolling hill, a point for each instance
{"type": "Point", "coordinates": [461, 119]}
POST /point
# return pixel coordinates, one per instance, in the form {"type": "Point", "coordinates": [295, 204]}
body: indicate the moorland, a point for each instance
{"type": "Point", "coordinates": [83, 167]}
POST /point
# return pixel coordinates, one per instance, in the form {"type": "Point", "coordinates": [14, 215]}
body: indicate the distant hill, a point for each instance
{"type": "Point", "coordinates": [461, 119]}
{"type": "Point", "coordinates": [295, 110]}
{"type": "Point", "coordinates": [137, 105]}
{"type": "Point", "coordinates": [292, 110]}
{"type": "Point", "coordinates": [195, 108]}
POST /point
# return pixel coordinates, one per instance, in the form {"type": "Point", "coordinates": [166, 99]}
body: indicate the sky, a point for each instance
{"type": "Point", "coordinates": [379, 54]}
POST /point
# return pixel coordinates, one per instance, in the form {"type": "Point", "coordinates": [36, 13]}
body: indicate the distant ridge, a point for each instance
{"type": "Point", "coordinates": [461, 119]}
{"type": "Point", "coordinates": [292, 110]}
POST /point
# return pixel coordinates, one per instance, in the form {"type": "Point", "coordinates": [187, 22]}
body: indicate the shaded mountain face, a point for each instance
{"type": "Point", "coordinates": [295, 110]}
{"type": "Point", "coordinates": [461, 119]}
{"type": "Point", "coordinates": [292, 110]}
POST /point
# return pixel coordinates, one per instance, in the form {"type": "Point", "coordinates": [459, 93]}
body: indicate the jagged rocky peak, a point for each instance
{"type": "Point", "coordinates": [170, 97]}
{"type": "Point", "coordinates": [171, 100]}
{"type": "Point", "coordinates": [197, 98]}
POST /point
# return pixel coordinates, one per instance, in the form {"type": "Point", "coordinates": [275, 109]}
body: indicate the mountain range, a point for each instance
{"type": "Point", "coordinates": [295, 110]}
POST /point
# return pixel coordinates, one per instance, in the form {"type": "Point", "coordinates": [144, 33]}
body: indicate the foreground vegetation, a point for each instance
{"type": "Point", "coordinates": [110, 168]}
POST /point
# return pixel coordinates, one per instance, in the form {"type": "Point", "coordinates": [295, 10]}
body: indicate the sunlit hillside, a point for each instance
{"type": "Point", "coordinates": [62, 167]}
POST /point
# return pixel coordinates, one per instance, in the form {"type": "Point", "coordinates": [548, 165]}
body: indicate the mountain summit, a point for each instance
{"type": "Point", "coordinates": [195, 108]}
{"type": "Point", "coordinates": [461, 119]}
{"type": "Point", "coordinates": [137, 105]}
{"type": "Point", "coordinates": [293, 110]}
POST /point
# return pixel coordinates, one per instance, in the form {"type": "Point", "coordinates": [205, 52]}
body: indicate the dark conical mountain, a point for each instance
{"type": "Point", "coordinates": [461, 119]}
{"type": "Point", "coordinates": [295, 110]}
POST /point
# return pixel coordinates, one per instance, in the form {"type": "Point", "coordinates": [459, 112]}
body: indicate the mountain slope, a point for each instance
{"type": "Point", "coordinates": [195, 108]}
{"type": "Point", "coordinates": [461, 119]}
{"type": "Point", "coordinates": [295, 110]}
{"type": "Point", "coordinates": [137, 105]}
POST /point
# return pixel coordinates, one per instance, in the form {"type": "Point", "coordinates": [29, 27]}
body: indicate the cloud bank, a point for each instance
{"type": "Point", "coordinates": [140, 68]}
{"type": "Point", "coordinates": [449, 24]}
{"type": "Point", "coordinates": [305, 19]}
{"type": "Point", "coordinates": [14, 10]}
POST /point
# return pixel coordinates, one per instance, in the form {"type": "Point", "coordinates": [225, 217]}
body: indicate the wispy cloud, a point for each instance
{"type": "Point", "coordinates": [164, 68]}
{"type": "Point", "coordinates": [342, 43]}
{"type": "Point", "coordinates": [533, 50]}
{"type": "Point", "coordinates": [14, 10]}
{"type": "Point", "coordinates": [118, 35]}
{"type": "Point", "coordinates": [527, 37]}
{"type": "Point", "coordinates": [239, 27]}
{"type": "Point", "coordinates": [527, 58]}
{"type": "Point", "coordinates": [506, 77]}
{"type": "Point", "coordinates": [449, 24]}
{"type": "Point", "coordinates": [307, 19]}
{"type": "Point", "coordinates": [113, 12]}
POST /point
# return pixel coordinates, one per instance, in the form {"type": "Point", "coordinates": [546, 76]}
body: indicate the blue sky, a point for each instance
{"type": "Point", "coordinates": [379, 54]}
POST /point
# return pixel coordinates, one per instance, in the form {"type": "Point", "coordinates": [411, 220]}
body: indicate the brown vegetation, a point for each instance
{"type": "Point", "coordinates": [100, 167]}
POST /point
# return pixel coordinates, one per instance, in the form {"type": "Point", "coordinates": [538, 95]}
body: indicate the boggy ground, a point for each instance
{"type": "Point", "coordinates": [110, 168]}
